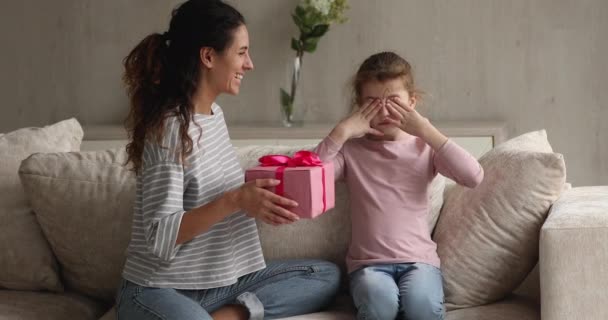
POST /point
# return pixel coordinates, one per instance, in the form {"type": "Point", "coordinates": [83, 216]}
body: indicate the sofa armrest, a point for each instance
{"type": "Point", "coordinates": [574, 256]}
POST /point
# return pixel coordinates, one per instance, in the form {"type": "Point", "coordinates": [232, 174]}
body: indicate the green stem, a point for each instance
{"type": "Point", "coordinates": [295, 79]}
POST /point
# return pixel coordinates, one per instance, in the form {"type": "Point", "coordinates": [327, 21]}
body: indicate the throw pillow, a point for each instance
{"type": "Point", "coordinates": [84, 203]}
{"type": "Point", "coordinates": [487, 237]}
{"type": "Point", "coordinates": [26, 260]}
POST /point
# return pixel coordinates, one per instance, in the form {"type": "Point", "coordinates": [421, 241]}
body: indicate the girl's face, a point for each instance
{"type": "Point", "coordinates": [383, 91]}
{"type": "Point", "coordinates": [229, 67]}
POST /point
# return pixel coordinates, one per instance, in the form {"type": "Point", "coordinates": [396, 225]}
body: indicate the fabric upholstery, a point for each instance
{"type": "Point", "coordinates": [487, 237]}
{"type": "Point", "coordinates": [514, 307]}
{"type": "Point", "coordinates": [26, 260]}
{"type": "Point", "coordinates": [573, 256]}
{"type": "Point", "coordinates": [29, 305]}
{"type": "Point", "coordinates": [84, 203]}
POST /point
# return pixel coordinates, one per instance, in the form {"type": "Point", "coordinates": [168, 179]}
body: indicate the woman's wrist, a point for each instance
{"type": "Point", "coordinates": [232, 200]}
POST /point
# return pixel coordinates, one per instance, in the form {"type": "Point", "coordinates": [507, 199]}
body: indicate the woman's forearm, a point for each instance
{"type": "Point", "coordinates": [201, 219]}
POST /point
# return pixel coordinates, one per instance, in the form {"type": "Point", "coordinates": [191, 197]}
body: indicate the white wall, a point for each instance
{"type": "Point", "coordinates": [533, 63]}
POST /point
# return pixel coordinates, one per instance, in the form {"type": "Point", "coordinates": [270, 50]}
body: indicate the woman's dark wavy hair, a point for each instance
{"type": "Point", "coordinates": [162, 72]}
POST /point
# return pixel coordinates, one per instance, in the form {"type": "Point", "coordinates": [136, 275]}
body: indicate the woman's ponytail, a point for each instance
{"type": "Point", "coordinates": [143, 66]}
{"type": "Point", "coordinates": [143, 71]}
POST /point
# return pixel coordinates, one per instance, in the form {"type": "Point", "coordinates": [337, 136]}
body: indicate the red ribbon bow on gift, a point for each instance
{"type": "Point", "coordinates": [302, 158]}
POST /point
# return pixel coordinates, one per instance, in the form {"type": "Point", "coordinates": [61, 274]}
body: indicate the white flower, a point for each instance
{"type": "Point", "coordinates": [322, 6]}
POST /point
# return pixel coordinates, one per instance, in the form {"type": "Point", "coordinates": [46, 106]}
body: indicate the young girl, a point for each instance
{"type": "Point", "coordinates": [388, 154]}
{"type": "Point", "coordinates": [194, 250]}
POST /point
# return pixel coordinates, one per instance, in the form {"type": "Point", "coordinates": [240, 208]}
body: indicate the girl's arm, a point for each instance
{"type": "Point", "coordinates": [454, 162]}
{"type": "Point", "coordinates": [449, 159]}
{"type": "Point", "coordinates": [355, 125]}
{"type": "Point", "coordinates": [329, 150]}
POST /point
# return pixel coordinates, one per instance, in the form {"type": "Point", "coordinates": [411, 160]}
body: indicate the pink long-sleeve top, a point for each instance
{"type": "Point", "coordinates": [388, 182]}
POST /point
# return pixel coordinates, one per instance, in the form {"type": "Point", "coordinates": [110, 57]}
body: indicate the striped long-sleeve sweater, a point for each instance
{"type": "Point", "coordinates": [166, 189]}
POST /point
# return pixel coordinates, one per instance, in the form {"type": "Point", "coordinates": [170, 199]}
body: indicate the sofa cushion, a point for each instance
{"type": "Point", "coordinates": [26, 260]}
{"type": "Point", "coordinates": [513, 307]}
{"type": "Point", "coordinates": [487, 237]}
{"type": "Point", "coordinates": [24, 305]}
{"type": "Point", "coordinates": [84, 203]}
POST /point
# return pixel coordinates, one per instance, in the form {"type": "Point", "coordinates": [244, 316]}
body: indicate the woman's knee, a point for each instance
{"type": "Point", "coordinates": [158, 304]}
{"type": "Point", "coordinates": [327, 276]}
{"type": "Point", "coordinates": [297, 287]}
{"type": "Point", "coordinates": [327, 272]}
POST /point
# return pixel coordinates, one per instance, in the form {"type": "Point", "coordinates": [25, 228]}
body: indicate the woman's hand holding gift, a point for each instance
{"type": "Point", "coordinates": [263, 204]}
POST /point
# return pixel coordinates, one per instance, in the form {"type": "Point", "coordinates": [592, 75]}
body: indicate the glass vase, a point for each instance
{"type": "Point", "coordinates": [288, 99]}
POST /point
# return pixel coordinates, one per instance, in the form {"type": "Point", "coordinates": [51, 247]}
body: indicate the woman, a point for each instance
{"type": "Point", "coordinates": [194, 250]}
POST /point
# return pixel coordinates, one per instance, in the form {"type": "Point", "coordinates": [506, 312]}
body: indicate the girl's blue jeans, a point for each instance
{"type": "Point", "coordinates": [412, 291]}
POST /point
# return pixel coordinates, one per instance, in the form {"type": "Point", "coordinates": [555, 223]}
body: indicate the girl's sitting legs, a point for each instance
{"type": "Point", "coordinates": [421, 292]}
{"type": "Point", "coordinates": [410, 291]}
{"type": "Point", "coordinates": [375, 292]}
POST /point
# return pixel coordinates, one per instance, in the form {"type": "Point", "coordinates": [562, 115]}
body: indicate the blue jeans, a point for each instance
{"type": "Point", "coordinates": [412, 291]}
{"type": "Point", "coordinates": [282, 289]}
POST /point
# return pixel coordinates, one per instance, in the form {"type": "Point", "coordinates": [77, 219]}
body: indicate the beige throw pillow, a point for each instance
{"type": "Point", "coordinates": [84, 203]}
{"type": "Point", "coordinates": [436, 190]}
{"type": "Point", "coordinates": [487, 237]}
{"type": "Point", "coordinates": [26, 260]}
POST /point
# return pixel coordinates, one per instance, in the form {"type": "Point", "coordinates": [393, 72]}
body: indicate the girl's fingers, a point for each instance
{"type": "Point", "coordinates": [396, 111]}
{"type": "Point", "coordinates": [395, 122]}
{"type": "Point", "coordinates": [371, 114]}
{"type": "Point", "coordinates": [372, 107]}
{"type": "Point", "coordinates": [401, 104]}
{"type": "Point", "coordinates": [375, 132]}
{"type": "Point", "coordinates": [405, 110]}
{"type": "Point", "coordinates": [363, 108]}
{"type": "Point", "coordinates": [397, 101]}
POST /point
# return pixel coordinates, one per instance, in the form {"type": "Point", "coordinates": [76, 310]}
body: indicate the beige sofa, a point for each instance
{"type": "Point", "coordinates": [83, 203]}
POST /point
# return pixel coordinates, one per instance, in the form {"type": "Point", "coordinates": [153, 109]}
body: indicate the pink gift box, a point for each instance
{"type": "Point", "coordinates": [312, 187]}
